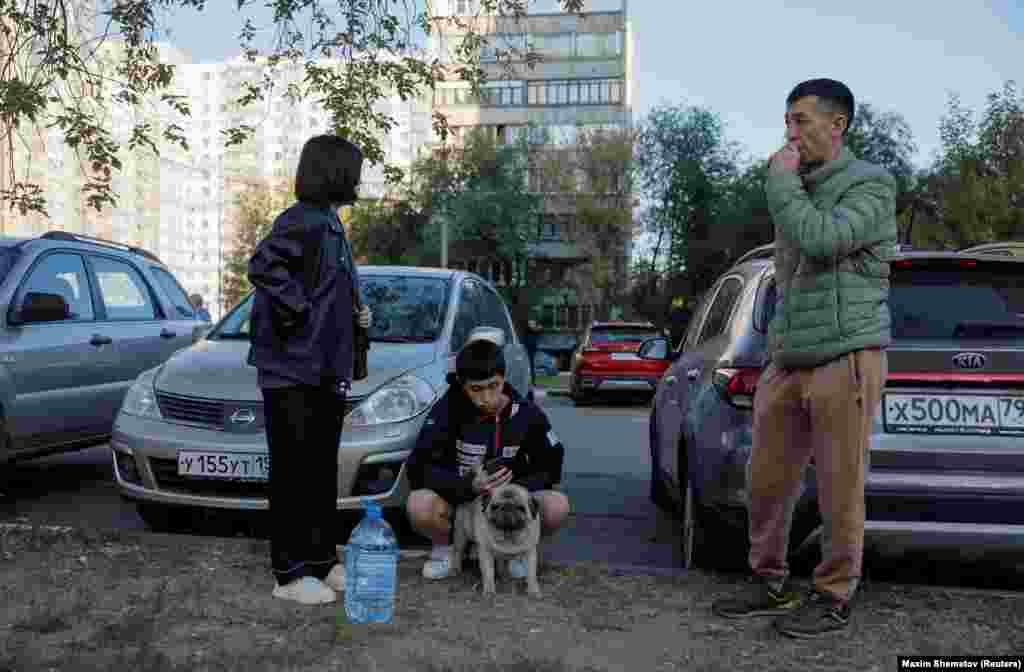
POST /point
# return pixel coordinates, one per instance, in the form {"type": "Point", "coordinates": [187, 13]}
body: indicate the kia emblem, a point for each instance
{"type": "Point", "coordinates": [243, 416]}
{"type": "Point", "coordinates": [969, 360]}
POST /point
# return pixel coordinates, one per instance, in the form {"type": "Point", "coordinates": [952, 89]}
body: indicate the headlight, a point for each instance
{"type": "Point", "coordinates": [141, 398]}
{"type": "Point", "coordinates": [401, 399]}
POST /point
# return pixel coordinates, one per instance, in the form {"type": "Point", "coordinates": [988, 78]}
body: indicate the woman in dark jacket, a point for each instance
{"type": "Point", "coordinates": [302, 345]}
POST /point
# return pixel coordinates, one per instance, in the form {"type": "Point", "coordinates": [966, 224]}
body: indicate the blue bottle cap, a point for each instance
{"type": "Point", "coordinates": [373, 509]}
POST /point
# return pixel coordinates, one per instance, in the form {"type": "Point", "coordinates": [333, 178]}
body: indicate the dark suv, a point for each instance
{"type": "Point", "coordinates": [80, 319]}
{"type": "Point", "coordinates": [947, 446]}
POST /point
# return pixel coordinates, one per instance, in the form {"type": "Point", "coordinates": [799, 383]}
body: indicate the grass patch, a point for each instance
{"type": "Point", "coordinates": [175, 603]}
{"type": "Point", "coordinates": [549, 382]}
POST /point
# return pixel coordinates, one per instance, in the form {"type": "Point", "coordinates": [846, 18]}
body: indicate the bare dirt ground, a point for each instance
{"type": "Point", "coordinates": [76, 600]}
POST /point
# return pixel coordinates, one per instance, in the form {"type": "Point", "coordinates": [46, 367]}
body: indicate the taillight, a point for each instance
{"type": "Point", "coordinates": [737, 385]}
{"type": "Point", "coordinates": [910, 263]}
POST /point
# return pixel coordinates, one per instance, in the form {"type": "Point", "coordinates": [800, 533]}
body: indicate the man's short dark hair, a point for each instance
{"type": "Point", "coordinates": [835, 95]}
{"type": "Point", "coordinates": [479, 360]}
{"type": "Point", "coordinates": [329, 171]}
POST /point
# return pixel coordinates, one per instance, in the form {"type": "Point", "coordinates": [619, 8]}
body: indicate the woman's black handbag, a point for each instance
{"type": "Point", "coordinates": [360, 341]}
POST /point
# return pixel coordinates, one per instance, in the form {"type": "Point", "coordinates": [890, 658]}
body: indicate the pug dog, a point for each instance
{"type": "Point", "coordinates": [503, 524]}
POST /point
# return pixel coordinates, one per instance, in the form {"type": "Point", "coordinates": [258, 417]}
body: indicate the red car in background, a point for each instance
{"type": "Point", "coordinates": [606, 360]}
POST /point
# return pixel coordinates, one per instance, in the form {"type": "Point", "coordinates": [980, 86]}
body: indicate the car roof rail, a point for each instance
{"type": "Point", "coordinates": [82, 238]}
{"type": "Point", "coordinates": [1003, 247]}
{"type": "Point", "coordinates": [762, 252]}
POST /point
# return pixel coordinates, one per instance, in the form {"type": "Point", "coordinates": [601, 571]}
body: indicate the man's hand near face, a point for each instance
{"type": "Point", "coordinates": [786, 160]}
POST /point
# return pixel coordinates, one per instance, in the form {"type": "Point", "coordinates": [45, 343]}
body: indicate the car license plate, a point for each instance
{"type": "Point", "coordinates": [624, 356]}
{"type": "Point", "coordinates": [233, 466]}
{"type": "Point", "coordinates": [953, 414]}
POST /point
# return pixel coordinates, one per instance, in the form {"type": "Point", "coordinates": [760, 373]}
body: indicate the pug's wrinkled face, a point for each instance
{"type": "Point", "coordinates": [510, 509]}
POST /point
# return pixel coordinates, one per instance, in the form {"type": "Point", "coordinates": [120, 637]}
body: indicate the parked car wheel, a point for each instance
{"type": "Point", "coordinates": [160, 518]}
{"type": "Point", "coordinates": [659, 492]}
{"type": "Point", "coordinates": [710, 539]}
{"type": "Point", "coordinates": [579, 397]}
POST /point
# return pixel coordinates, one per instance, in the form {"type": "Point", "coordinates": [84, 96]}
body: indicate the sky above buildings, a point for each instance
{"type": "Point", "coordinates": [740, 58]}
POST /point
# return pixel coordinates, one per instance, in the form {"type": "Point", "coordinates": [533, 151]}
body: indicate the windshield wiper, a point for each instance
{"type": "Point", "coordinates": [231, 336]}
{"type": "Point", "coordinates": [403, 339]}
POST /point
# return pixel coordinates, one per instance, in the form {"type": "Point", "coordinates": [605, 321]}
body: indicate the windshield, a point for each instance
{"type": "Point", "coordinates": [405, 310]}
{"type": "Point", "coordinates": [8, 256]}
{"type": "Point", "coordinates": [234, 326]}
{"type": "Point", "coordinates": [621, 335]}
{"type": "Point", "coordinates": [944, 304]}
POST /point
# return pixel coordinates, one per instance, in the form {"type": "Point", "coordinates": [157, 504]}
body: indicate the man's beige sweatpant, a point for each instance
{"type": "Point", "coordinates": [825, 413]}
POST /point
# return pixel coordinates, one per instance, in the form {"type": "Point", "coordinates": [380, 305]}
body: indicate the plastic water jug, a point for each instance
{"type": "Point", "coordinates": [371, 569]}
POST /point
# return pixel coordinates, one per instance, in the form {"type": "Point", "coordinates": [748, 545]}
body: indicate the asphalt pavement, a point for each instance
{"type": "Point", "coordinates": [606, 475]}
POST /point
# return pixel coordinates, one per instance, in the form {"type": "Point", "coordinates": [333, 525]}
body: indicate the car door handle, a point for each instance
{"type": "Point", "coordinates": [693, 374]}
{"type": "Point", "coordinates": [167, 333]}
{"type": "Point", "coordinates": [99, 339]}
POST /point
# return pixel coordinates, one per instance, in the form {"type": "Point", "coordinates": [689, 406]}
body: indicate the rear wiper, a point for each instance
{"type": "Point", "coordinates": [987, 329]}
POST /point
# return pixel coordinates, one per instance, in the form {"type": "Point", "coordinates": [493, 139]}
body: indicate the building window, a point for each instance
{"type": "Point", "coordinates": [551, 45]}
{"type": "Point", "coordinates": [574, 92]}
{"type": "Point", "coordinates": [598, 45]}
{"type": "Point", "coordinates": [465, 7]}
{"type": "Point", "coordinates": [502, 94]}
{"type": "Point", "coordinates": [502, 42]}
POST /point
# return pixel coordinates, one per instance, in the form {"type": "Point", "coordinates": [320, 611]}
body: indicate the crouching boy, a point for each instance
{"type": "Point", "coordinates": [481, 418]}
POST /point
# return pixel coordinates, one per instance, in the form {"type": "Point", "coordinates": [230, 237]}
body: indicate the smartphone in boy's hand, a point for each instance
{"type": "Point", "coordinates": [492, 466]}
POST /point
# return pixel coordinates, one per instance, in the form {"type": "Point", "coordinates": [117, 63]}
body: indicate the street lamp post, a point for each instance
{"type": "Point", "coordinates": [444, 241]}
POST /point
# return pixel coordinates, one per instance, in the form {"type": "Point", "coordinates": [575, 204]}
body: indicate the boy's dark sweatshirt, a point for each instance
{"type": "Point", "coordinates": [456, 436]}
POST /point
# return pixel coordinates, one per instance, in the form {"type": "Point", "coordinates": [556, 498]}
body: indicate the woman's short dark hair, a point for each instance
{"type": "Point", "coordinates": [479, 360]}
{"type": "Point", "coordinates": [832, 94]}
{"type": "Point", "coordinates": [329, 170]}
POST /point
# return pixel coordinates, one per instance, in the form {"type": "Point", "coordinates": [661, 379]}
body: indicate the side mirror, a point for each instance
{"type": "Point", "coordinates": [199, 333]}
{"type": "Point", "coordinates": [42, 307]}
{"type": "Point", "coordinates": [492, 334]}
{"type": "Point", "coordinates": [656, 348]}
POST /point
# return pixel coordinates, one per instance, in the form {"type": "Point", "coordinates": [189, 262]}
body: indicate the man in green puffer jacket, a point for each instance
{"type": "Point", "coordinates": [835, 225]}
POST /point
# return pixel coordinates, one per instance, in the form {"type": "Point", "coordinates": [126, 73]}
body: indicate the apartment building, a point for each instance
{"type": "Point", "coordinates": [182, 203]}
{"type": "Point", "coordinates": [583, 80]}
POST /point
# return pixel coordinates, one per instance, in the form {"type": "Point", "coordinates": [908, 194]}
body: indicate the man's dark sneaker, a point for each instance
{"type": "Point", "coordinates": [819, 615]}
{"type": "Point", "coordinates": [762, 600]}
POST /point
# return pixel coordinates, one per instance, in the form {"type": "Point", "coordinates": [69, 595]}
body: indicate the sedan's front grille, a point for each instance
{"type": "Point", "coordinates": [236, 417]}
{"type": "Point", "coordinates": [165, 471]}
{"type": "Point", "coordinates": [194, 411]}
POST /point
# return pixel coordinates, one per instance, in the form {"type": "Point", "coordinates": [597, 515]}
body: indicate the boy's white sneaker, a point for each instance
{"type": "Point", "coordinates": [439, 564]}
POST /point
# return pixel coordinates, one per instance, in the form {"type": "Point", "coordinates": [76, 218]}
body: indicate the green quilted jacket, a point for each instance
{"type": "Point", "coordinates": [834, 229]}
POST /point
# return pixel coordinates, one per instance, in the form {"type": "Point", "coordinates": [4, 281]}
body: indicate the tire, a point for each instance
{"type": "Point", "coordinates": [710, 539]}
{"type": "Point", "coordinates": [579, 398]}
{"type": "Point", "coordinates": [659, 492]}
{"type": "Point", "coordinates": [804, 549]}
{"type": "Point", "coordinates": [719, 539]}
{"type": "Point", "coordinates": [161, 518]}
{"type": "Point", "coordinates": [6, 464]}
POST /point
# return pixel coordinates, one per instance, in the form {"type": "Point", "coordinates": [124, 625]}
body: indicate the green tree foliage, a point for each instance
{"type": "Point", "coordinates": [257, 206]}
{"type": "Point", "coordinates": [603, 203]}
{"type": "Point", "coordinates": [684, 163]}
{"type": "Point", "coordinates": [57, 69]}
{"type": "Point", "coordinates": [388, 232]}
{"type": "Point", "coordinates": [481, 190]}
{"type": "Point", "coordinates": [977, 183]}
